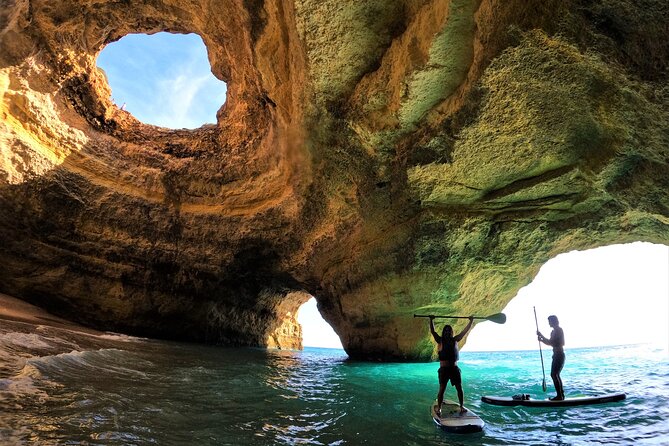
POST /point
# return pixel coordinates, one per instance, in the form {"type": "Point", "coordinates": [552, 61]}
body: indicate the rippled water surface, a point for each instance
{"type": "Point", "coordinates": [63, 387]}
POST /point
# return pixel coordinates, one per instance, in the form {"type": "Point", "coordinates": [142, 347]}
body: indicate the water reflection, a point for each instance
{"type": "Point", "coordinates": [310, 377]}
{"type": "Point", "coordinates": [311, 384]}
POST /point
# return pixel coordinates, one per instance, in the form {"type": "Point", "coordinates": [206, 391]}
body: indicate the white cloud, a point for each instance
{"type": "Point", "coordinates": [176, 105]}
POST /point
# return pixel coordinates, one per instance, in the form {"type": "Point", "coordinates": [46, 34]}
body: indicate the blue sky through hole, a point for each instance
{"type": "Point", "coordinates": [163, 79]}
{"type": "Point", "coordinates": [613, 295]}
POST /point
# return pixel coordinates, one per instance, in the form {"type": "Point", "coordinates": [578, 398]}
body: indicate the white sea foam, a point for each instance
{"type": "Point", "coordinates": [23, 385]}
{"type": "Point", "coordinates": [26, 340]}
{"type": "Point", "coordinates": [119, 337]}
{"type": "Point", "coordinates": [90, 362]}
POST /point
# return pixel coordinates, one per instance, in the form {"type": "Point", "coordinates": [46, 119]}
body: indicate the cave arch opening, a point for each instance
{"type": "Point", "coordinates": [612, 295]}
{"type": "Point", "coordinates": [316, 332]}
{"type": "Point", "coordinates": [163, 79]}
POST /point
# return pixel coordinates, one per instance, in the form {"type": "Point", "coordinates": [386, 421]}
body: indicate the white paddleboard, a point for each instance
{"type": "Point", "coordinates": [451, 420]}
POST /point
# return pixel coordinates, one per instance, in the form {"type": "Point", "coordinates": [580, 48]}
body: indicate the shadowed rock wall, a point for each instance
{"type": "Point", "coordinates": [386, 157]}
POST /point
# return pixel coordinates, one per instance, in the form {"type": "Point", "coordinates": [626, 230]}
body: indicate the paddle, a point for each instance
{"type": "Point", "coordinates": [498, 318]}
{"type": "Point", "coordinates": [543, 383]}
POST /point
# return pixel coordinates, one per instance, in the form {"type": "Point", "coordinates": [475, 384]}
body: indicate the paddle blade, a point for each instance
{"type": "Point", "coordinates": [543, 384]}
{"type": "Point", "coordinates": [498, 318]}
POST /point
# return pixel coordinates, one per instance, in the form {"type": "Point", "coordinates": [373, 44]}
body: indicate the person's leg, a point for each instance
{"type": "Point", "coordinates": [440, 396]}
{"type": "Point", "coordinates": [556, 368]}
{"type": "Point", "coordinates": [456, 379]}
{"type": "Point", "coordinates": [557, 382]}
{"type": "Point", "coordinates": [443, 380]}
{"type": "Point", "coordinates": [558, 377]}
{"type": "Point", "coordinates": [461, 395]}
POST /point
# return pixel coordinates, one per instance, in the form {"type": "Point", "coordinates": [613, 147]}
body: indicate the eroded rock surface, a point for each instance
{"type": "Point", "coordinates": [387, 157]}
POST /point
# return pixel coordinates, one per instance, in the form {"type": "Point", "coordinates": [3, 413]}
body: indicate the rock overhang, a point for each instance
{"type": "Point", "coordinates": [384, 157]}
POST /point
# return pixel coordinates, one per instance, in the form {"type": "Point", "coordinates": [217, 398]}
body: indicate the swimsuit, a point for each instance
{"type": "Point", "coordinates": [558, 362]}
{"type": "Point", "coordinates": [449, 352]}
{"type": "Point", "coordinates": [450, 372]}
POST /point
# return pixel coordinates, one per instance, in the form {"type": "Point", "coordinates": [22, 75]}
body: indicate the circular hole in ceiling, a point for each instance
{"type": "Point", "coordinates": [163, 79]}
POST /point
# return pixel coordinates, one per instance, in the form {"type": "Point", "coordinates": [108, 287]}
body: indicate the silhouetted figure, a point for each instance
{"type": "Point", "coordinates": [557, 342]}
{"type": "Point", "coordinates": [448, 361]}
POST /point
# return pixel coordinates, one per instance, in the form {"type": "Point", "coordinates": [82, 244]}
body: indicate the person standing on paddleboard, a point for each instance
{"type": "Point", "coordinates": [557, 342]}
{"type": "Point", "coordinates": [448, 361]}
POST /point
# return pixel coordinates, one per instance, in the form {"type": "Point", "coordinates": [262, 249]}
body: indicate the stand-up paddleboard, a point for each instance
{"type": "Point", "coordinates": [451, 420]}
{"type": "Point", "coordinates": [526, 400]}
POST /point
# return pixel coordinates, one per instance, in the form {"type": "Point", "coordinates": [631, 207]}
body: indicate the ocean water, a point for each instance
{"type": "Point", "coordinates": [59, 386]}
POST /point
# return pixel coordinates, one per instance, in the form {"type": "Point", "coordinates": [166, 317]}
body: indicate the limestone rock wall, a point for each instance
{"type": "Point", "coordinates": [387, 157]}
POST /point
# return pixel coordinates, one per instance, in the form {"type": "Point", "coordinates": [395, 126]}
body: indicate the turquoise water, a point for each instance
{"type": "Point", "coordinates": [63, 387]}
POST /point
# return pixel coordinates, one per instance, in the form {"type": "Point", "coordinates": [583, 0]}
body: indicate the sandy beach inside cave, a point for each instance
{"type": "Point", "coordinates": [15, 309]}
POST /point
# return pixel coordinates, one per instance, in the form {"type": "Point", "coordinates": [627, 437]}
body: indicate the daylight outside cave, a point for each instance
{"type": "Point", "coordinates": [588, 290]}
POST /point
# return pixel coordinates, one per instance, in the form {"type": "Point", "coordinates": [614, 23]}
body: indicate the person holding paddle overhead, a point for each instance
{"type": "Point", "coordinates": [448, 360]}
{"type": "Point", "coordinates": [557, 342]}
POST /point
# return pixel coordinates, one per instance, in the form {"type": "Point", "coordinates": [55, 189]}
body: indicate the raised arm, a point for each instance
{"type": "Point", "coordinates": [434, 333]}
{"type": "Point", "coordinates": [462, 334]}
